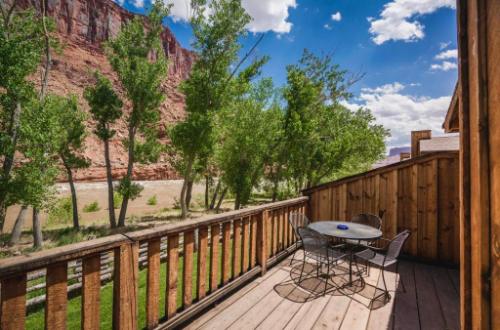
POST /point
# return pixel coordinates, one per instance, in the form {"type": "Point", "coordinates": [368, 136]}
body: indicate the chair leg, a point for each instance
{"type": "Point", "coordinates": [303, 265]}
{"type": "Point", "coordinates": [386, 292]}
{"type": "Point", "coordinates": [293, 255]}
{"type": "Point", "coordinates": [327, 277]}
{"type": "Point", "coordinates": [400, 278]}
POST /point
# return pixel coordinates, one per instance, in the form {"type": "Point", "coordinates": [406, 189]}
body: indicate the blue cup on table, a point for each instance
{"type": "Point", "coordinates": [342, 227]}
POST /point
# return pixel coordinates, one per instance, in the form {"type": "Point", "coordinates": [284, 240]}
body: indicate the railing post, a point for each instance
{"type": "Point", "coordinates": [125, 286]}
{"type": "Point", "coordinates": [13, 302]}
{"type": "Point", "coordinates": [262, 241]}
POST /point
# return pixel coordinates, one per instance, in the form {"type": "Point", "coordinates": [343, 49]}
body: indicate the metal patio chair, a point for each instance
{"type": "Point", "coordinates": [318, 248]}
{"type": "Point", "coordinates": [297, 220]}
{"type": "Point", "coordinates": [386, 257]}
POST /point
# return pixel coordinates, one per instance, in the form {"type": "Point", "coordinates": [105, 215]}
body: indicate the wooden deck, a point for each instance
{"type": "Point", "coordinates": [277, 301]}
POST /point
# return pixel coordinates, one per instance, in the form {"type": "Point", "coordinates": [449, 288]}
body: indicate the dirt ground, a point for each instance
{"type": "Point", "coordinates": [166, 192]}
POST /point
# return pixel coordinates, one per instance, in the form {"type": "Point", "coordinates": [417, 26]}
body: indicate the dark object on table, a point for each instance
{"type": "Point", "coordinates": [342, 227]}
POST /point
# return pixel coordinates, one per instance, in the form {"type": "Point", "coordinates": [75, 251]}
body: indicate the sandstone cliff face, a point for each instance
{"type": "Point", "coordinates": [82, 27]}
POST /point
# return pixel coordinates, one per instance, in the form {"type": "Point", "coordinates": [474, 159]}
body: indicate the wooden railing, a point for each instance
{"type": "Point", "coordinates": [222, 252]}
{"type": "Point", "coordinates": [420, 194]}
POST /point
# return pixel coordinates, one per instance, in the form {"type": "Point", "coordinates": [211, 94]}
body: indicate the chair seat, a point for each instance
{"type": "Point", "coordinates": [320, 254]}
{"type": "Point", "coordinates": [375, 258]}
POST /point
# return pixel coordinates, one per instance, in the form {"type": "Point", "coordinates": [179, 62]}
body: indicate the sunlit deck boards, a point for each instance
{"type": "Point", "coordinates": [275, 301]}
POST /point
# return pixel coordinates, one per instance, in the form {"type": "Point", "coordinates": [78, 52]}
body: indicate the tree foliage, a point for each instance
{"type": "Point", "coordinates": [137, 56]}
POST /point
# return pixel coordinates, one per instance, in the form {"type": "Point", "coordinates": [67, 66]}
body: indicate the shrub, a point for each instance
{"type": "Point", "coordinates": [152, 200]}
{"type": "Point", "coordinates": [92, 207]}
{"type": "Point", "coordinates": [117, 199]}
{"type": "Point", "coordinates": [177, 204]}
{"type": "Point", "coordinates": [61, 212]}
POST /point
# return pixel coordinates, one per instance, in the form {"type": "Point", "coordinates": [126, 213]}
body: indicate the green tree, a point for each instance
{"type": "Point", "coordinates": [22, 43]}
{"type": "Point", "coordinates": [217, 28]}
{"type": "Point", "coordinates": [323, 138]}
{"type": "Point", "coordinates": [105, 108]}
{"type": "Point", "coordinates": [70, 135]}
{"type": "Point", "coordinates": [137, 56]}
{"type": "Point", "coordinates": [247, 136]}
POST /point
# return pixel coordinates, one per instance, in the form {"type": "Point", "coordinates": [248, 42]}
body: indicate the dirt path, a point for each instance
{"type": "Point", "coordinates": [166, 191]}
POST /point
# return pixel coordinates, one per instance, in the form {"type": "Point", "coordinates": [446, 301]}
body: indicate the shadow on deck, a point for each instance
{"type": "Point", "coordinates": [279, 301]}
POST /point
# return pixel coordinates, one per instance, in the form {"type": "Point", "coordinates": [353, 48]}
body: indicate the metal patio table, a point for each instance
{"type": "Point", "coordinates": [354, 231]}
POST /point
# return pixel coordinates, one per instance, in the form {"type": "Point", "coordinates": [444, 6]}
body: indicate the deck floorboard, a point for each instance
{"type": "Point", "coordinates": [276, 301]}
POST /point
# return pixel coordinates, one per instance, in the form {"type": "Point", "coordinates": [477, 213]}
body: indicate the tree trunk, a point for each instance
{"type": "Point", "coordinates": [8, 162]}
{"type": "Point", "coordinates": [130, 167]}
{"type": "Point", "coordinates": [207, 190]}
{"type": "Point", "coordinates": [74, 201]}
{"type": "Point", "coordinates": [18, 226]}
{"type": "Point", "coordinates": [237, 203]}
{"type": "Point", "coordinates": [214, 197]}
{"type": "Point", "coordinates": [189, 194]}
{"type": "Point", "coordinates": [37, 229]}
{"type": "Point", "coordinates": [109, 179]}
{"type": "Point", "coordinates": [221, 199]}
{"type": "Point", "coordinates": [187, 176]}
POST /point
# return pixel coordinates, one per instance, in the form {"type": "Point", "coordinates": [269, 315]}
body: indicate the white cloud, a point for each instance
{"type": "Point", "coordinates": [269, 15]}
{"type": "Point", "coordinates": [443, 45]}
{"type": "Point", "coordinates": [447, 54]}
{"type": "Point", "coordinates": [402, 112]}
{"type": "Point", "coordinates": [337, 17]}
{"type": "Point", "coordinates": [136, 3]}
{"type": "Point", "coordinates": [444, 66]}
{"type": "Point", "coordinates": [327, 26]}
{"type": "Point", "coordinates": [398, 21]}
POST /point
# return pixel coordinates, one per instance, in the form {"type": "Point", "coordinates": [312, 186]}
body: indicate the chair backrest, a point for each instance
{"type": "Point", "coordinates": [396, 244]}
{"type": "Point", "coordinates": [312, 241]}
{"type": "Point", "coordinates": [298, 220]}
{"type": "Point", "coordinates": [368, 219]}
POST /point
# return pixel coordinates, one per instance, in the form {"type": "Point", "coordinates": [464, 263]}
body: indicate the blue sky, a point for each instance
{"type": "Point", "coordinates": [405, 48]}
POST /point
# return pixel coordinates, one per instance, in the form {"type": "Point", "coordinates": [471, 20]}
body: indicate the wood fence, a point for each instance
{"type": "Point", "coordinates": [420, 194]}
{"type": "Point", "coordinates": [230, 249]}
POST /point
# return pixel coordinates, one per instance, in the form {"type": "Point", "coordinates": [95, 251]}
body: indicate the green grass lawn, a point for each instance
{"type": "Point", "coordinates": [35, 320]}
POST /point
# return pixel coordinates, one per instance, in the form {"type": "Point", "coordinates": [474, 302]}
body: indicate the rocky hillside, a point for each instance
{"type": "Point", "coordinates": [83, 26]}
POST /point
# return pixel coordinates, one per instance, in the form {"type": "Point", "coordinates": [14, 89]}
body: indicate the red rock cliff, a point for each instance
{"type": "Point", "coordinates": [82, 27]}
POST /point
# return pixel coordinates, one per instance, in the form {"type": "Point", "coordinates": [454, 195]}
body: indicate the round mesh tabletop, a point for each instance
{"type": "Point", "coordinates": [354, 230]}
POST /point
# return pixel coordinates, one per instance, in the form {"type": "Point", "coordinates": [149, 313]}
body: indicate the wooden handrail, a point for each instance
{"type": "Point", "coordinates": [208, 220]}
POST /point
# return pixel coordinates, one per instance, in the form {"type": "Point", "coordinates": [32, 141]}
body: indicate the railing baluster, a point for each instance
{"type": "Point", "coordinates": [253, 240]}
{"type": "Point", "coordinates": [91, 287]}
{"type": "Point", "coordinates": [172, 269]}
{"type": "Point", "coordinates": [226, 252]}
{"type": "Point", "coordinates": [187, 283]}
{"type": "Point", "coordinates": [125, 286]}
{"type": "Point", "coordinates": [153, 283]}
{"type": "Point", "coordinates": [13, 302]}
{"type": "Point", "coordinates": [202, 261]}
{"type": "Point", "coordinates": [286, 229]}
{"type": "Point", "coordinates": [214, 257]}
{"type": "Point", "coordinates": [262, 241]}
{"type": "Point", "coordinates": [56, 302]}
{"type": "Point", "coordinates": [237, 248]}
{"type": "Point", "coordinates": [245, 254]}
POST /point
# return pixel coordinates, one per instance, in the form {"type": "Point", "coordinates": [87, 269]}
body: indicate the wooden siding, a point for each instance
{"type": "Point", "coordinates": [479, 121]}
{"type": "Point", "coordinates": [420, 194]}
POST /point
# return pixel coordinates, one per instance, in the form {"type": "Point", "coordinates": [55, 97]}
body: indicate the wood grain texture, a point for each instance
{"type": "Point", "coordinates": [56, 303]}
{"type": "Point", "coordinates": [125, 286]}
{"type": "Point", "coordinates": [427, 219]}
{"type": "Point", "coordinates": [214, 257]}
{"type": "Point", "coordinates": [91, 288]}
{"type": "Point", "coordinates": [202, 261]}
{"type": "Point", "coordinates": [13, 302]}
{"type": "Point", "coordinates": [236, 248]}
{"type": "Point", "coordinates": [226, 252]}
{"type": "Point", "coordinates": [172, 273]}
{"type": "Point", "coordinates": [245, 243]}
{"type": "Point", "coordinates": [187, 274]}
{"type": "Point", "coordinates": [153, 284]}
{"type": "Point", "coordinates": [262, 241]}
{"type": "Point", "coordinates": [253, 240]}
